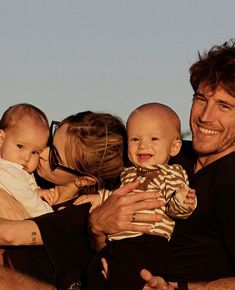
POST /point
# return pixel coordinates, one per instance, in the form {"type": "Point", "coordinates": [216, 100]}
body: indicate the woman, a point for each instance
{"type": "Point", "coordinates": [85, 153]}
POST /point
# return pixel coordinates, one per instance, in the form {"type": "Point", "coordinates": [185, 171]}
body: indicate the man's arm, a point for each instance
{"type": "Point", "coordinates": [23, 232]}
{"type": "Point", "coordinates": [115, 214]}
{"type": "Point", "coordinates": [12, 280]}
{"type": "Point", "coordinates": [158, 283]}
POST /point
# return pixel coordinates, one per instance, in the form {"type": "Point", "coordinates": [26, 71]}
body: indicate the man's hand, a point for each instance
{"type": "Point", "coordinates": [116, 213]}
{"type": "Point", "coordinates": [154, 282]}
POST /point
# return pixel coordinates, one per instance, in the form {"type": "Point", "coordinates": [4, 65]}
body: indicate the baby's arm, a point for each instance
{"type": "Point", "coordinates": [183, 202]}
{"type": "Point", "coordinates": [94, 199]}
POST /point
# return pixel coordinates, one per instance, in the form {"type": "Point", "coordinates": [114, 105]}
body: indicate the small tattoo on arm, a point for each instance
{"type": "Point", "coordinates": [33, 236]}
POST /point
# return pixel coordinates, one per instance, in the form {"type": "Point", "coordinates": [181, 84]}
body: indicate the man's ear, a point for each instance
{"type": "Point", "coordinates": [2, 137]}
{"type": "Point", "coordinates": [175, 148]}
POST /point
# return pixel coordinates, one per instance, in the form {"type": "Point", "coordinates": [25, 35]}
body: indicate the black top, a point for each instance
{"type": "Point", "coordinates": [65, 251]}
{"type": "Point", "coordinates": [203, 246]}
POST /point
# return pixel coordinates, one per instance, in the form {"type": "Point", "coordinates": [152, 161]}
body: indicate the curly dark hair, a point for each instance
{"type": "Point", "coordinates": [215, 68]}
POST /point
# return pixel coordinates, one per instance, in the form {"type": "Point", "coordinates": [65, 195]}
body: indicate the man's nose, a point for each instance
{"type": "Point", "coordinates": [208, 113]}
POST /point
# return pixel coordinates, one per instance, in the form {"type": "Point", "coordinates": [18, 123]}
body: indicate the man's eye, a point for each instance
{"type": "Point", "coordinates": [20, 146]}
{"type": "Point", "coordinates": [224, 107]}
{"type": "Point", "coordinates": [35, 152]}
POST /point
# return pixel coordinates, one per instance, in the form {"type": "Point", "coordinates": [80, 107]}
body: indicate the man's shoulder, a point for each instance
{"type": "Point", "coordinates": [225, 164]}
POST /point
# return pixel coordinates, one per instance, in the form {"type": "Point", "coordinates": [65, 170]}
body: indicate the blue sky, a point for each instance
{"type": "Point", "coordinates": [71, 55]}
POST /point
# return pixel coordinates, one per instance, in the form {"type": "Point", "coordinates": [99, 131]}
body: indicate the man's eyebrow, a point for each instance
{"type": "Point", "coordinates": [218, 101]}
{"type": "Point", "coordinates": [226, 103]}
{"type": "Point", "coordinates": [198, 94]}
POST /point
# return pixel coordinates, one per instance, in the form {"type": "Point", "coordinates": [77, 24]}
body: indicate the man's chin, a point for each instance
{"type": "Point", "coordinates": [203, 149]}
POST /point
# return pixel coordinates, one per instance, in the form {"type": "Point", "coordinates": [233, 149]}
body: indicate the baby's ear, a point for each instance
{"type": "Point", "coordinates": [2, 137]}
{"type": "Point", "coordinates": [175, 148]}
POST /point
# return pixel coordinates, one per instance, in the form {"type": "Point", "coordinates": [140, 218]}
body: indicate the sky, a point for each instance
{"type": "Point", "coordinates": [67, 56]}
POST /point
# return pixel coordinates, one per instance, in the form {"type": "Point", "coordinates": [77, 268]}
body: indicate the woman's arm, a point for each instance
{"type": "Point", "coordinates": [10, 208]}
{"type": "Point", "coordinates": [14, 230]}
{"type": "Point", "coordinates": [23, 232]}
{"type": "Point", "coordinates": [116, 213]}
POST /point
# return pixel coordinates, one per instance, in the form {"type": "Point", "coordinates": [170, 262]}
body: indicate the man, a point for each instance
{"type": "Point", "coordinates": [17, 281]}
{"type": "Point", "coordinates": [203, 245]}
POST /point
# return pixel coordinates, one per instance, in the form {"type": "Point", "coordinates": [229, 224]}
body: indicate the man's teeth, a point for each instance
{"type": "Point", "coordinates": [208, 131]}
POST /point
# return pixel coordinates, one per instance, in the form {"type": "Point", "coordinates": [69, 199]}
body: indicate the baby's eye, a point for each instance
{"type": "Point", "coordinates": [134, 139]}
{"type": "Point", "coordinates": [20, 146]}
{"type": "Point", "coordinates": [154, 139]}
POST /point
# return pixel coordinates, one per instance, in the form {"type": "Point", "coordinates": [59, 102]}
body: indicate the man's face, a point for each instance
{"type": "Point", "coordinates": [212, 122]}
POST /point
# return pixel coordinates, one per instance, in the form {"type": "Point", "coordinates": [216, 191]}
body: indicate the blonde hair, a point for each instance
{"type": "Point", "coordinates": [16, 112]}
{"type": "Point", "coordinates": [175, 120]}
{"type": "Point", "coordinates": [96, 146]}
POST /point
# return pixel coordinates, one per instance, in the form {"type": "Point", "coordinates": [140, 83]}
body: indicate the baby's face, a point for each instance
{"type": "Point", "coordinates": [150, 139]}
{"type": "Point", "coordinates": [23, 143]}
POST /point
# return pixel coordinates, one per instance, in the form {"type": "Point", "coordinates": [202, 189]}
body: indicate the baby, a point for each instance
{"type": "Point", "coordinates": [153, 132]}
{"type": "Point", "coordinates": [24, 133]}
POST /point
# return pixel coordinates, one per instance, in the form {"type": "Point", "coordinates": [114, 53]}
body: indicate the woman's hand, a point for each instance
{"type": "Point", "coordinates": [94, 199]}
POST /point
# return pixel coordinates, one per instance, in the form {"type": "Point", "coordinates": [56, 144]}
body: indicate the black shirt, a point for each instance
{"type": "Point", "coordinates": [65, 251]}
{"type": "Point", "coordinates": [203, 246]}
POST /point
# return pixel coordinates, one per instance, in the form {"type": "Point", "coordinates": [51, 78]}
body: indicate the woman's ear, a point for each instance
{"type": "Point", "coordinates": [175, 148]}
{"type": "Point", "coordinates": [82, 181]}
{"type": "Point", "coordinates": [2, 137]}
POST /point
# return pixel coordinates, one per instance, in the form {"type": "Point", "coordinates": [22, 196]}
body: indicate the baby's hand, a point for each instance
{"type": "Point", "coordinates": [94, 199]}
{"type": "Point", "coordinates": [190, 198]}
{"type": "Point", "coordinates": [49, 195]}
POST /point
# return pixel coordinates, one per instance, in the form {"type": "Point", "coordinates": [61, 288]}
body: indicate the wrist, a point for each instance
{"type": "Point", "coordinates": [94, 226]}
